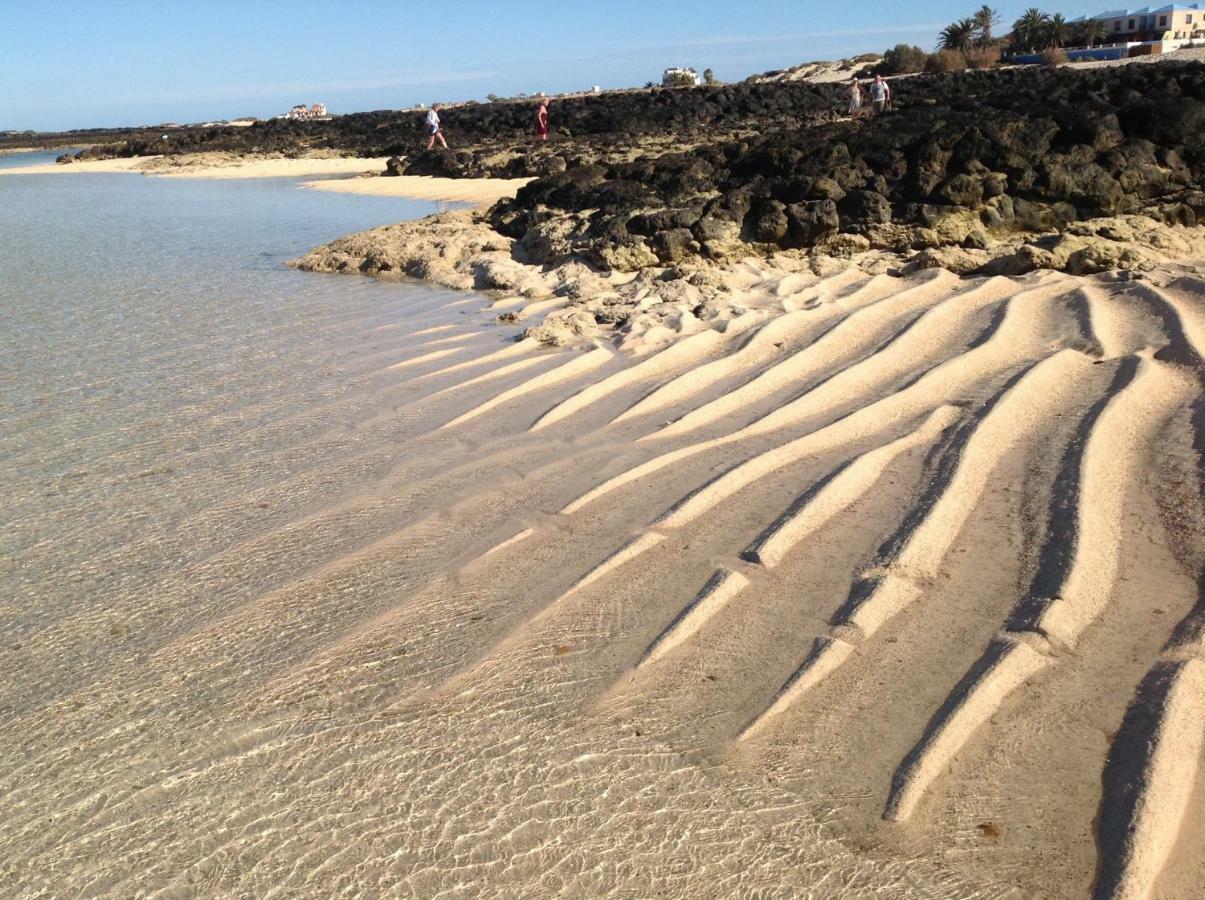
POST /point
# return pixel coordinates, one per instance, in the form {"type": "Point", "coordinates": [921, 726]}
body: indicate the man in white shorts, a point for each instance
{"type": "Point", "coordinates": [879, 92]}
{"type": "Point", "coordinates": [434, 132]}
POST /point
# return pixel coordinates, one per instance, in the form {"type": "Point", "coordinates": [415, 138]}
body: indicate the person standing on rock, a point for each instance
{"type": "Point", "coordinates": [542, 121]}
{"type": "Point", "coordinates": [879, 92]}
{"type": "Point", "coordinates": [434, 131]}
{"type": "Point", "coordinates": [855, 97]}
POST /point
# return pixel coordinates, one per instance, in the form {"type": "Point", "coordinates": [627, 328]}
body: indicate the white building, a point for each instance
{"type": "Point", "coordinates": [301, 111]}
{"type": "Point", "coordinates": [678, 75]}
{"type": "Point", "coordinates": [1175, 22]}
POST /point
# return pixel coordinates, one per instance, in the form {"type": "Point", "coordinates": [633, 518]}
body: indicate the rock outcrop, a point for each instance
{"type": "Point", "coordinates": [1006, 153]}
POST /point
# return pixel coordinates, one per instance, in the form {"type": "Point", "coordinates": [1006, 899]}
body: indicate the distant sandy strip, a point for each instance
{"type": "Point", "coordinates": [460, 190]}
{"type": "Point", "coordinates": [421, 187]}
{"type": "Point", "coordinates": [270, 168]}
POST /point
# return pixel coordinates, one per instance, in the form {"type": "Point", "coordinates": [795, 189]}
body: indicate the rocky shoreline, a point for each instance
{"type": "Point", "coordinates": [461, 250]}
{"type": "Point", "coordinates": [994, 173]}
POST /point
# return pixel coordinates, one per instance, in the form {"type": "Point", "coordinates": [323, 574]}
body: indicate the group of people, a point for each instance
{"type": "Point", "coordinates": [435, 130]}
{"type": "Point", "coordinates": [879, 91]}
{"type": "Point", "coordinates": [880, 95]}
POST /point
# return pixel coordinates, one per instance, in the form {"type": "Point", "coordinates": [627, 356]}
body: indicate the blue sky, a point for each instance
{"type": "Point", "coordinates": [68, 64]}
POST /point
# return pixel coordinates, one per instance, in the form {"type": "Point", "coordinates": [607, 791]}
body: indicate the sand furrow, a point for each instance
{"type": "Point", "coordinates": [1079, 565]}
{"type": "Point", "coordinates": [719, 591]}
{"type": "Point", "coordinates": [1149, 779]}
{"type": "Point", "coordinates": [509, 542]}
{"type": "Point", "coordinates": [623, 555]}
{"type": "Point", "coordinates": [1015, 417]}
{"type": "Point", "coordinates": [1007, 665]}
{"type": "Point", "coordinates": [526, 345]}
{"type": "Point", "coordinates": [855, 333]}
{"type": "Point", "coordinates": [765, 345]}
{"type": "Point", "coordinates": [1011, 418]}
{"type": "Point", "coordinates": [685, 352]}
{"type": "Point", "coordinates": [1017, 336]}
{"type": "Point", "coordinates": [1183, 324]}
{"type": "Point", "coordinates": [841, 490]}
{"type": "Point", "coordinates": [826, 656]}
{"type": "Point", "coordinates": [921, 340]}
{"type": "Point", "coordinates": [425, 357]}
{"type": "Point", "coordinates": [1113, 458]}
{"type": "Point", "coordinates": [911, 402]}
{"type": "Point", "coordinates": [496, 373]}
{"type": "Point", "coordinates": [587, 362]}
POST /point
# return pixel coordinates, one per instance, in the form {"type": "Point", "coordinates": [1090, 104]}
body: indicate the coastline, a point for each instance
{"type": "Point", "coordinates": [761, 530]}
{"type": "Point", "coordinates": [360, 176]}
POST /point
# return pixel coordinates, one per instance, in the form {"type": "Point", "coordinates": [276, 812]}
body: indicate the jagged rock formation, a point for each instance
{"type": "Point", "coordinates": [962, 160]}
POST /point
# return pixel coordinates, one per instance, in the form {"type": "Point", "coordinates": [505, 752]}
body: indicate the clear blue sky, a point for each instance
{"type": "Point", "coordinates": [68, 64]}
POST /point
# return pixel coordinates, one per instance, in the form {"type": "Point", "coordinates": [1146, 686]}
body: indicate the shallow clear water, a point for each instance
{"type": "Point", "coordinates": [32, 157]}
{"type": "Point", "coordinates": [157, 358]}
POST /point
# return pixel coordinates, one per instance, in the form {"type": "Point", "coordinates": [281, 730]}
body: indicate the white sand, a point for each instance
{"type": "Point", "coordinates": [280, 168]}
{"type": "Point", "coordinates": [872, 629]}
{"type": "Point", "coordinates": [420, 187]}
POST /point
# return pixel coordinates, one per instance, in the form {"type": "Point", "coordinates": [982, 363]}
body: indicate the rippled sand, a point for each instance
{"type": "Point", "coordinates": [888, 589]}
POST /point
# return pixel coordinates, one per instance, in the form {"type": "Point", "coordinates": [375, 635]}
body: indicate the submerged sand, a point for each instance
{"type": "Point", "coordinates": [866, 586]}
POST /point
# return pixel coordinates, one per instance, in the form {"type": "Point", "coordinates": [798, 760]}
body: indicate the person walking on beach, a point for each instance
{"type": "Point", "coordinates": [542, 121]}
{"type": "Point", "coordinates": [855, 97]}
{"type": "Point", "coordinates": [434, 131]}
{"type": "Point", "coordinates": [879, 92]}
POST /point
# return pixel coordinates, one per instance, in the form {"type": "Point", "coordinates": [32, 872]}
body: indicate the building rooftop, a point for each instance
{"type": "Point", "coordinates": [1144, 11]}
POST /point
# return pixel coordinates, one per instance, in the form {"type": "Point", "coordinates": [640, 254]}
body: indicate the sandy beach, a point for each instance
{"type": "Point", "coordinates": [477, 191]}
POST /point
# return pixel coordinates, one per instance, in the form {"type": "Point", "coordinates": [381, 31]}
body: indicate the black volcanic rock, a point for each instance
{"type": "Point", "coordinates": [965, 155]}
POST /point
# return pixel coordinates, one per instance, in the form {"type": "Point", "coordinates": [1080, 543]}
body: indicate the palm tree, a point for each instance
{"type": "Point", "coordinates": [1057, 31]}
{"type": "Point", "coordinates": [958, 35]}
{"type": "Point", "coordinates": [1092, 31]}
{"type": "Point", "coordinates": [1029, 31]}
{"type": "Point", "coordinates": [985, 20]}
